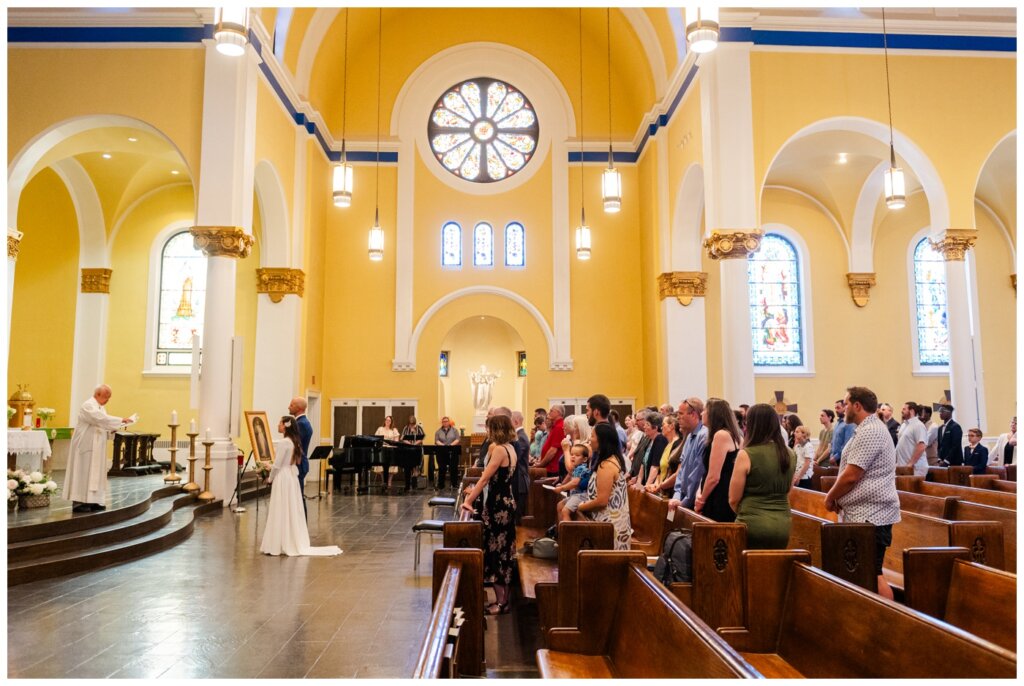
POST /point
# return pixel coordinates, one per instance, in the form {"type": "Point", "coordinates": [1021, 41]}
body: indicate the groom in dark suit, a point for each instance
{"type": "Point", "coordinates": [951, 438]}
{"type": "Point", "coordinates": [297, 409]}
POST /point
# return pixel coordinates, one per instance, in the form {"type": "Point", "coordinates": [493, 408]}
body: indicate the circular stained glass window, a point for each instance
{"type": "Point", "coordinates": [483, 130]}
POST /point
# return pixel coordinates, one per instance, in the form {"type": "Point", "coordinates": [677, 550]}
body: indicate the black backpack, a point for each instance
{"type": "Point", "coordinates": [675, 564]}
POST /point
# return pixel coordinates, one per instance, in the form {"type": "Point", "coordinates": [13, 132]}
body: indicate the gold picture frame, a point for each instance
{"type": "Point", "coordinates": [260, 437]}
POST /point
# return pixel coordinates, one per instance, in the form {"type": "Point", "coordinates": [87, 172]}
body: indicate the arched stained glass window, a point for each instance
{"type": "Point", "coordinates": [515, 245]}
{"type": "Point", "coordinates": [776, 314]}
{"type": "Point", "coordinates": [451, 245]}
{"type": "Point", "coordinates": [483, 245]}
{"type": "Point", "coordinates": [182, 300]}
{"type": "Point", "coordinates": [483, 130]}
{"type": "Point", "coordinates": [930, 305]}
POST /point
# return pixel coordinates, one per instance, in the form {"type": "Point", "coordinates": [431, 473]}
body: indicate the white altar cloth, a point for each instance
{"type": "Point", "coordinates": [30, 447]}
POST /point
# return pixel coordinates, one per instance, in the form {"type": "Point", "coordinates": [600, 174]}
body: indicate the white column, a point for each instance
{"type": "Point", "coordinates": [731, 200]}
{"type": "Point", "coordinates": [687, 349]}
{"type": "Point", "coordinates": [223, 225]}
{"type": "Point", "coordinates": [90, 352]}
{"type": "Point", "coordinates": [275, 373]}
{"type": "Point", "coordinates": [964, 383]}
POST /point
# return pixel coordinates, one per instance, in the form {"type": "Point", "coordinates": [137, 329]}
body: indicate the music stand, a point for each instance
{"type": "Point", "coordinates": [321, 452]}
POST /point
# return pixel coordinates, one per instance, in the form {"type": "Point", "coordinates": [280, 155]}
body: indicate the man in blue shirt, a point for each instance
{"type": "Point", "coordinates": [297, 409]}
{"type": "Point", "coordinates": [842, 434]}
{"type": "Point", "coordinates": [691, 462]}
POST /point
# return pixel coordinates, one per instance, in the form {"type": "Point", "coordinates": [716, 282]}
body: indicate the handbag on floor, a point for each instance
{"type": "Point", "coordinates": [675, 564]}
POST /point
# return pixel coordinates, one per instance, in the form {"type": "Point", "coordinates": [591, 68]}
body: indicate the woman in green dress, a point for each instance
{"type": "Point", "coordinates": [761, 479]}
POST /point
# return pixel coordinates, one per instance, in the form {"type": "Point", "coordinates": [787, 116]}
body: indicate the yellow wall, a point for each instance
{"type": "Point", "coordinates": [46, 281]}
{"type": "Point", "coordinates": [312, 335]}
{"type": "Point", "coordinates": [473, 342]}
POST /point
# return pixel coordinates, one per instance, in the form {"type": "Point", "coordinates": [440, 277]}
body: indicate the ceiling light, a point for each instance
{"type": "Point", "coordinates": [611, 180]}
{"type": "Point", "coordinates": [231, 30]}
{"type": "Point", "coordinates": [106, 155]}
{"type": "Point", "coordinates": [133, 139]}
{"type": "Point", "coordinates": [175, 172]}
{"type": "Point", "coordinates": [843, 159]}
{"type": "Point", "coordinates": [341, 184]}
{"type": "Point", "coordinates": [895, 184]}
{"type": "Point", "coordinates": [582, 231]}
{"type": "Point", "coordinates": [376, 233]}
{"type": "Point", "coordinates": [702, 28]}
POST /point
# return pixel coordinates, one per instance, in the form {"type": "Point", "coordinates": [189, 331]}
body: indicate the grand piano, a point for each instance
{"type": "Point", "coordinates": [362, 452]}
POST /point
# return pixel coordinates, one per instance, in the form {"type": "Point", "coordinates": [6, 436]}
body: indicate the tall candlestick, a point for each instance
{"type": "Point", "coordinates": [192, 427]}
{"type": "Point", "coordinates": [174, 416]}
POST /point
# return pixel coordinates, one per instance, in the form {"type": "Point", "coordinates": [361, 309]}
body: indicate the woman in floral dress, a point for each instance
{"type": "Point", "coordinates": [499, 510]}
{"type": "Point", "coordinates": [608, 500]}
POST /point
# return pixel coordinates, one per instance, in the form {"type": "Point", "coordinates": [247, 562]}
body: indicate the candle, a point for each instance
{"type": "Point", "coordinates": [28, 417]}
{"type": "Point", "coordinates": [208, 434]}
{"type": "Point", "coordinates": [174, 416]}
{"type": "Point", "coordinates": [192, 426]}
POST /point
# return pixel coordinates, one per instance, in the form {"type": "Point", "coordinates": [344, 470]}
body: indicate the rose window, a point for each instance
{"type": "Point", "coordinates": [483, 130]}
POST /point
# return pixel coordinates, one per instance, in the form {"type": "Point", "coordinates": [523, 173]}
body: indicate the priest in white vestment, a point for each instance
{"type": "Point", "coordinates": [85, 483]}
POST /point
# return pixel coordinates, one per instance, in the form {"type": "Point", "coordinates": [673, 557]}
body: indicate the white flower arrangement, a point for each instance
{"type": "Point", "coordinates": [12, 488]}
{"type": "Point", "coordinates": [35, 483]}
{"type": "Point", "coordinates": [262, 469]}
{"type": "Point", "coordinates": [46, 413]}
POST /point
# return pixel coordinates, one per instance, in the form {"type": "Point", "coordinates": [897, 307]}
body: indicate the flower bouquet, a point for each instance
{"type": "Point", "coordinates": [46, 414]}
{"type": "Point", "coordinates": [35, 490]}
{"type": "Point", "coordinates": [13, 484]}
{"type": "Point", "coordinates": [262, 469]}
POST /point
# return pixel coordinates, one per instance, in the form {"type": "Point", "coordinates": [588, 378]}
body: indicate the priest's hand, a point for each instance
{"type": "Point", "coordinates": [127, 420]}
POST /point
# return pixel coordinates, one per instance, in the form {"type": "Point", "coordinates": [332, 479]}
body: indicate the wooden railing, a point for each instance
{"type": "Point", "coordinates": [440, 646]}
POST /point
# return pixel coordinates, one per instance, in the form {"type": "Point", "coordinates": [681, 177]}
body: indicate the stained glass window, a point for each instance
{"type": "Point", "coordinates": [182, 300]}
{"type": "Point", "coordinates": [451, 245]}
{"type": "Point", "coordinates": [930, 300]}
{"type": "Point", "coordinates": [483, 130]}
{"type": "Point", "coordinates": [776, 315]}
{"type": "Point", "coordinates": [483, 245]}
{"type": "Point", "coordinates": [515, 245]}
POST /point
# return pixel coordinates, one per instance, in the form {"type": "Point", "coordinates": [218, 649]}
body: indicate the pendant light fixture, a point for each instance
{"type": "Point", "coordinates": [231, 30]}
{"type": "Point", "coordinates": [611, 180]}
{"type": "Point", "coordinates": [342, 182]}
{"type": "Point", "coordinates": [702, 28]}
{"type": "Point", "coordinates": [582, 231]}
{"type": "Point", "coordinates": [377, 233]}
{"type": "Point", "coordinates": [894, 181]}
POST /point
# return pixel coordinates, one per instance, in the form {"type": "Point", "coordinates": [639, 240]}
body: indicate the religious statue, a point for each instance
{"type": "Point", "coordinates": [483, 384]}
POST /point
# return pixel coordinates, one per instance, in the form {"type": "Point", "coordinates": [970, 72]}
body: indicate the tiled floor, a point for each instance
{"type": "Point", "coordinates": [215, 607]}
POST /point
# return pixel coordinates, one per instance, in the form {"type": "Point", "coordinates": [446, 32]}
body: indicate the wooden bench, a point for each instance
{"type": "Point", "coordinates": [818, 472]}
{"type": "Point", "coordinates": [541, 512]}
{"type": "Point", "coordinates": [1007, 472]}
{"type": "Point", "coordinates": [954, 509]}
{"type": "Point", "coordinates": [558, 594]}
{"type": "Point", "coordinates": [955, 475]}
{"type": "Point", "coordinates": [648, 516]}
{"type": "Point", "coordinates": [454, 643]}
{"type": "Point", "coordinates": [634, 629]}
{"type": "Point", "coordinates": [944, 583]}
{"type": "Point", "coordinates": [804, 622]}
{"type": "Point", "coordinates": [984, 496]}
{"type": "Point", "coordinates": [992, 482]}
{"type": "Point", "coordinates": [846, 550]}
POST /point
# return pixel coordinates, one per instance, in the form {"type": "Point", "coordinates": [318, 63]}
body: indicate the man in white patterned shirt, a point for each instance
{"type": "Point", "coordinates": [865, 490]}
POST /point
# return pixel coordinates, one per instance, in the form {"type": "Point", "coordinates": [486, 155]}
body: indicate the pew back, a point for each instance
{"type": "Point", "coordinates": [984, 496]}
{"type": "Point", "coordinates": [648, 515]}
{"type": "Point", "coordinates": [469, 596]}
{"type": "Point", "coordinates": [965, 511]}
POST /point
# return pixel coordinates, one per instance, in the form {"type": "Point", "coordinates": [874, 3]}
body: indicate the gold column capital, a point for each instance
{"type": "Point", "coordinates": [954, 243]}
{"type": "Point", "coordinates": [13, 243]}
{"type": "Point", "coordinates": [1013, 281]}
{"type": "Point", "coordinates": [278, 282]}
{"type": "Point", "coordinates": [683, 286]}
{"type": "Point", "coordinates": [222, 241]}
{"type": "Point", "coordinates": [860, 284]}
{"type": "Point", "coordinates": [724, 244]}
{"type": "Point", "coordinates": [96, 279]}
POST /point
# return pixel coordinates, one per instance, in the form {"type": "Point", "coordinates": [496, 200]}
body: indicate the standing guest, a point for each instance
{"type": "Point", "coordinates": [297, 409]}
{"type": "Point", "coordinates": [890, 423]}
{"type": "Point", "coordinates": [412, 434]}
{"type": "Point", "coordinates": [613, 417]}
{"type": "Point", "coordinates": [912, 438]}
{"type": "Point", "coordinates": [789, 423]}
{"type": "Point", "coordinates": [1002, 453]}
{"type": "Point", "coordinates": [655, 447]}
{"type": "Point", "coordinates": [842, 434]}
{"type": "Point", "coordinates": [662, 479]}
{"type": "Point", "coordinates": [666, 408]}
{"type": "Point", "coordinates": [286, 532]}
{"type": "Point", "coordinates": [577, 430]}
{"type": "Point", "coordinates": [804, 452]}
{"type": "Point", "coordinates": [866, 488]}
{"type": "Point", "coordinates": [931, 449]}
{"type": "Point", "coordinates": [598, 409]}
{"type": "Point", "coordinates": [761, 479]}
{"type": "Point", "coordinates": [447, 435]}
{"type": "Point", "coordinates": [540, 432]}
{"type": "Point", "coordinates": [499, 510]}
{"type": "Point", "coordinates": [975, 454]}
{"type": "Point", "coordinates": [826, 417]}
{"type": "Point", "coordinates": [540, 412]}
{"type": "Point", "coordinates": [633, 435]}
{"type": "Point", "coordinates": [636, 454]}
{"type": "Point", "coordinates": [951, 438]}
{"type": "Point", "coordinates": [740, 420]}
{"type": "Point", "coordinates": [85, 482]}
{"type": "Point", "coordinates": [691, 461]}
{"type": "Point", "coordinates": [743, 410]}
{"type": "Point", "coordinates": [552, 448]}
{"type": "Point", "coordinates": [606, 491]}
{"type": "Point", "coordinates": [719, 459]}
{"type": "Point", "coordinates": [522, 476]}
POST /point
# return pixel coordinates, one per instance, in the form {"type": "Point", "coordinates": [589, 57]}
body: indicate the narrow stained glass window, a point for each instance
{"type": "Point", "coordinates": [776, 315]}
{"type": "Point", "coordinates": [451, 245]}
{"type": "Point", "coordinates": [930, 301]}
{"type": "Point", "coordinates": [515, 245]}
{"type": "Point", "coordinates": [483, 245]}
{"type": "Point", "coordinates": [182, 300]}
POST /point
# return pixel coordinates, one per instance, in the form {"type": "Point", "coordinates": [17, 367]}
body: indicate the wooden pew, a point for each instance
{"type": "Point", "coordinates": [818, 472]}
{"type": "Point", "coordinates": [637, 630]}
{"type": "Point", "coordinates": [955, 475]}
{"type": "Point", "coordinates": [803, 622]}
{"type": "Point", "coordinates": [558, 595]}
{"type": "Point", "coordinates": [999, 471]}
{"type": "Point", "coordinates": [541, 513]}
{"type": "Point", "coordinates": [984, 496]}
{"type": "Point", "coordinates": [463, 532]}
{"type": "Point", "coordinates": [717, 573]}
{"type": "Point", "coordinates": [944, 583]}
{"type": "Point", "coordinates": [954, 509]}
{"type": "Point", "coordinates": [993, 482]}
{"type": "Point", "coordinates": [454, 643]}
{"type": "Point", "coordinates": [648, 515]}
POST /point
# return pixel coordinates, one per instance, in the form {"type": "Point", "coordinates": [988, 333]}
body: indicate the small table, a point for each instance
{"type": "Point", "coordinates": [28, 448]}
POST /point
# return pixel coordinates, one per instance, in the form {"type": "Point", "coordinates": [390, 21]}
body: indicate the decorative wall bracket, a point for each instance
{"type": "Point", "coordinates": [1013, 281]}
{"type": "Point", "coordinates": [397, 366]}
{"type": "Point", "coordinates": [13, 243]}
{"type": "Point", "coordinates": [278, 282]}
{"type": "Point", "coordinates": [729, 245]}
{"type": "Point", "coordinates": [683, 286]}
{"type": "Point", "coordinates": [860, 284]}
{"type": "Point", "coordinates": [96, 280]}
{"type": "Point", "coordinates": [222, 241]}
{"type": "Point", "coordinates": [955, 243]}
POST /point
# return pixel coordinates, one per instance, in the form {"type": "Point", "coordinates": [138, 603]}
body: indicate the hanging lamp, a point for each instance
{"type": "Point", "coordinates": [377, 233]}
{"type": "Point", "coordinates": [231, 30]}
{"type": "Point", "coordinates": [582, 231]}
{"type": "Point", "coordinates": [341, 184]}
{"type": "Point", "coordinates": [702, 28]}
{"type": "Point", "coordinates": [894, 182]}
{"type": "Point", "coordinates": [611, 180]}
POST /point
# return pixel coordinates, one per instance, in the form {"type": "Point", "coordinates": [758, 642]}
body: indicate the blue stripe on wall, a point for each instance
{"type": "Point", "coordinates": [108, 34]}
{"type": "Point", "coordinates": [897, 41]}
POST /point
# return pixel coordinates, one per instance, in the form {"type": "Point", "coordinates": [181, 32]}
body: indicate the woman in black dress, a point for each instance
{"type": "Point", "coordinates": [719, 457]}
{"type": "Point", "coordinates": [499, 513]}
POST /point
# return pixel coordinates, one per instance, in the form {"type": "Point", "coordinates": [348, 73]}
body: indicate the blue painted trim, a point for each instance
{"type": "Point", "coordinates": [108, 34]}
{"type": "Point", "coordinates": [897, 41]}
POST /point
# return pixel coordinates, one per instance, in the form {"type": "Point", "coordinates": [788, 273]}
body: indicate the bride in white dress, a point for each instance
{"type": "Point", "coordinates": [286, 533]}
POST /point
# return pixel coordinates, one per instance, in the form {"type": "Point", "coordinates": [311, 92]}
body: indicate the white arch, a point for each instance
{"type": "Point", "coordinates": [817, 203]}
{"type": "Point", "coordinates": [686, 223]}
{"type": "Point", "coordinates": [1011, 249]}
{"type": "Point", "coordinates": [862, 255]}
{"type": "Point", "coordinates": [931, 182]}
{"type": "Point", "coordinates": [414, 340]}
{"type": "Point", "coordinates": [21, 166]}
{"type": "Point", "coordinates": [92, 233]}
{"type": "Point", "coordinates": [274, 243]}
{"type": "Point", "coordinates": [645, 32]}
{"type": "Point", "coordinates": [999, 143]}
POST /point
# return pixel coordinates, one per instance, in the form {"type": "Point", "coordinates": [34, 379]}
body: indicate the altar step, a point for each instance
{"type": "Point", "coordinates": [159, 526]}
